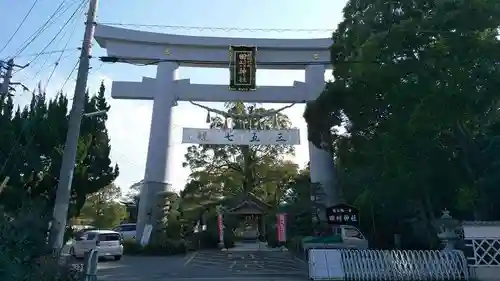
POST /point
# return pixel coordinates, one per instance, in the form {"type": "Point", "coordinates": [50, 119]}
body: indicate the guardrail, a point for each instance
{"type": "Point", "coordinates": [334, 264]}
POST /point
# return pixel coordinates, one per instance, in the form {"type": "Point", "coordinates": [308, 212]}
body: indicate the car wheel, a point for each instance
{"type": "Point", "coordinates": [117, 258]}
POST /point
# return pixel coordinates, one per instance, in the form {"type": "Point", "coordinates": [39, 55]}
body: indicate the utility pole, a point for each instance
{"type": "Point", "coordinates": [6, 86]}
{"type": "Point", "coordinates": [63, 194]}
{"type": "Point", "coordinates": [6, 78]}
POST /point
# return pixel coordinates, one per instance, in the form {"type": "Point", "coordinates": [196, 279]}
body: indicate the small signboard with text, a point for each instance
{"type": "Point", "coordinates": [342, 214]}
{"type": "Point", "coordinates": [242, 68]}
{"type": "Point", "coordinates": [241, 137]}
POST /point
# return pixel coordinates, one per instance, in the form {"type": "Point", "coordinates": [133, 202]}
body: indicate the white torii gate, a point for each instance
{"type": "Point", "coordinates": [169, 52]}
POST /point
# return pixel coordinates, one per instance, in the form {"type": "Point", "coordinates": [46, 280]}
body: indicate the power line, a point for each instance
{"type": "Point", "coordinates": [66, 29]}
{"type": "Point", "coordinates": [226, 29]}
{"type": "Point", "coordinates": [42, 28]}
{"type": "Point", "coordinates": [69, 76]}
{"type": "Point", "coordinates": [50, 52]}
{"type": "Point", "coordinates": [19, 26]}
{"type": "Point", "coordinates": [56, 64]}
{"type": "Point", "coordinates": [72, 17]}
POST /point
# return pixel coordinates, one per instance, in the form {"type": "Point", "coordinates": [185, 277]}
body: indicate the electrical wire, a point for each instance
{"type": "Point", "coordinates": [71, 18]}
{"type": "Point", "coordinates": [69, 76]}
{"type": "Point", "coordinates": [50, 52]}
{"type": "Point", "coordinates": [226, 29]}
{"type": "Point", "coordinates": [19, 26]}
{"type": "Point", "coordinates": [42, 28]}
{"type": "Point", "coordinates": [62, 53]}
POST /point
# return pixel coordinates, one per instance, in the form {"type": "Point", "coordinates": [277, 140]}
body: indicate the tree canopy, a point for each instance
{"type": "Point", "coordinates": [31, 145]}
{"type": "Point", "coordinates": [224, 170]}
{"type": "Point", "coordinates": [416, 88]}
{"type": "Point", "coordinates": [102, 208]}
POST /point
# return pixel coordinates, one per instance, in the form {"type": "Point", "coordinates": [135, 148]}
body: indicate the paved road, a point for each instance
{"type": "Point", "coordinates": [206, 265]}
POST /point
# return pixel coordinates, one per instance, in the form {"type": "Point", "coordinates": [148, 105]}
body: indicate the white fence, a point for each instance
{"type": "Point", "coordinates": [485, 252]}
{"type": "Point", "coordinates": [482, 248]}
{"type": "Point", "coordinates": [337, 264]}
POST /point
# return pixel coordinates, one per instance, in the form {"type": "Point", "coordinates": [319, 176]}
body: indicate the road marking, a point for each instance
{"type": "Point", "coordinates": [233, 264]}
{"type": "Point", "coordinates": [190, 258]}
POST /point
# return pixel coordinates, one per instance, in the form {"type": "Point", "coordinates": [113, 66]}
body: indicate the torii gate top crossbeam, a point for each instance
{"type": "Point", "coordinates": [138, 47]}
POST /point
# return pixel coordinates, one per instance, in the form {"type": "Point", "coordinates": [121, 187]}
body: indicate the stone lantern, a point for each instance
{"type": "Point", "coordinates": [447, 226]}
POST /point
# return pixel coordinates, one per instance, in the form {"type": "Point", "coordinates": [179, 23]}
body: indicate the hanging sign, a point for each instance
{"type": "Point", "coordinates": [342, 214]}
{"type": "Point", "coordinates": [281, 227]}
{"type": "Point", "coordinates": [241, 137]}
{"type": "Point", "coordinates": [242, 68]}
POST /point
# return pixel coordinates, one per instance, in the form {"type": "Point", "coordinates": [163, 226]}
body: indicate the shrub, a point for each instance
{"type": "Point", "coordinates": [169, 247]}
{"type": "Point", "coordinates": [163, 248]}
{"type": "Point", "coordinates": [24, 252]}
{"type": "Point", "coordinates": [272, 240]}
{"type": "Point", "coordinates": [295, 244]}
{"type": "Point", "coordinates": [131, 247]}
{"type": "Point", "coordinates": [208, 240]}
{"type": "Point", "coordinates": [228, 239]}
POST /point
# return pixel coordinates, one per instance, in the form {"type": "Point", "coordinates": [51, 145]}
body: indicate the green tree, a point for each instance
{"type": "Point", "coordinates": [102, 208]}
{"type": "Point", "coordinates": [32, 146]}
{"type": "Point", "coordinates": [414, 86]}
{"type": "Point", "coordinates": [221, 170]}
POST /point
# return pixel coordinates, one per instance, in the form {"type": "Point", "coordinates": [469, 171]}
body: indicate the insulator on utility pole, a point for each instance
{"type": "Point", "coordinates": [5, 89]}
{"type": "Point", "coordinates": [7, 84]}
{"type": "Point", "coordinates": [208, 117]}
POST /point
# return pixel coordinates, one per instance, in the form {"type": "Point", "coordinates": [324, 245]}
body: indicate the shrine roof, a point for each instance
{"type": "Point", "coordinates": [244, 199]}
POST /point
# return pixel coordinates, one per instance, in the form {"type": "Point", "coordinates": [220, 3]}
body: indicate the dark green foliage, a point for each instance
{"type": "Point", "coordinates": [157, 248]}
{"type": "Point", "coordinates": [31, 146]}
{"type": "Point", "coordinates": [131, 247]}
{"type": "Point", "coordinates": [25, 255]}
{"type": "Point", "coordinates": [271, 237]}
{"type": "Point", "coordinates": [208, 240]}
{"type": "Point", "coordinates": [229, 239]}
{"type": "Point", "coordinates": [416, 88]}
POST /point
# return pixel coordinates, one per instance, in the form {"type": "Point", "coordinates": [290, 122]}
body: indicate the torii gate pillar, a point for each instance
{"type": "Point", "coordinates": [157, 177]}
{"type": "Point", "coordinates": [322, 165]}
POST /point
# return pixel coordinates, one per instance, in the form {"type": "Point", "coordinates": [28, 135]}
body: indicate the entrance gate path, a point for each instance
{"type": "Point", "coordinates": [243, 263]}
{"type": "Point", "coordinates": [256, 264]}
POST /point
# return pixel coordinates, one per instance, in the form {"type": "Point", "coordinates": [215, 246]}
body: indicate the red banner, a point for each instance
{"type": "Point", "coordinates": [281, 227]}
{"type": "Point", "coordinates": [221, 228]}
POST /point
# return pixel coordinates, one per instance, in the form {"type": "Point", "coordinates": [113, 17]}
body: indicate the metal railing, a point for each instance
{"type": "Point", "coordinates": [404, 265]}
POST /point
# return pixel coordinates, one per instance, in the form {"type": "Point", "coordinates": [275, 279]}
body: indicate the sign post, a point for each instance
{"type": "Point", "coordinates": [342, 214]}
{"type": "Point", "coordinates": [242, 68]}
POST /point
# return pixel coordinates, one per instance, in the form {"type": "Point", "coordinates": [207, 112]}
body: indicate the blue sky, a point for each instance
{"type": "Point", "coordinates": [129, 120]}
